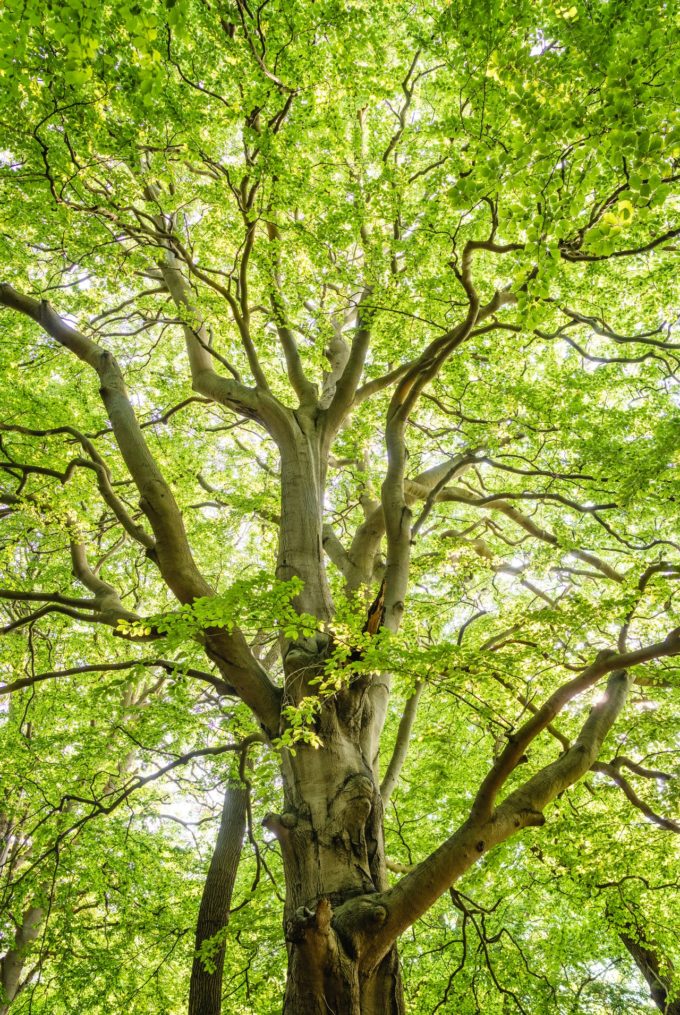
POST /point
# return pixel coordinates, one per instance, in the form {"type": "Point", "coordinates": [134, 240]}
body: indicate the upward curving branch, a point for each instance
{"type": "Point", "coordinates": [486, 827]}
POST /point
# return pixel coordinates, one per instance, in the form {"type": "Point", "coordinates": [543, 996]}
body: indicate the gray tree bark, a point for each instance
{"type": "Point", "coordinates": [331, 828]}
{"type": "Point", "coordinates": [331, 836]}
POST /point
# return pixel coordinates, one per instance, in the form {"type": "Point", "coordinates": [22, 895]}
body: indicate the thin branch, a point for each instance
{"type": "Point", "coordinates": [612, 771]}
{"type": "Point", "coordinates": [401, 746]}
{"type": "Point", "coordinates": [166, 664]}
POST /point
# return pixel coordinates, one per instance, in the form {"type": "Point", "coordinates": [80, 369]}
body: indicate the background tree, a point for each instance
{"type": "Point", "coordinates": [339, 433]}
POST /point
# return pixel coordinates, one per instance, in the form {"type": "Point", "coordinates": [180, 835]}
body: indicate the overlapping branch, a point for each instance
{"type": "Point", "coordinates": [487, 824]}
{"type": "Point", "coordinates": [171, 550]}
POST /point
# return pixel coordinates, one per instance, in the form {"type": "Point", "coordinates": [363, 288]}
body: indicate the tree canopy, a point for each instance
{"type": "Point", "coordinates": [339, 503]}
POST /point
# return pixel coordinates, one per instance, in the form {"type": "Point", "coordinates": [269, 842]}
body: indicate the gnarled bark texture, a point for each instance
{"type": "Point", "coordinates": [331, 829]}
{"type": "Point", "coordinates": [332, 844]}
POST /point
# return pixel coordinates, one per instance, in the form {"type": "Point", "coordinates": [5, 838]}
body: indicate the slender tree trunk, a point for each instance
{"type": "Point", "coordinates": [12, 964]}
{"type": "Point", "coordinates": [205, 990]}
{"type": "Point", "coordinates": [647, 961]}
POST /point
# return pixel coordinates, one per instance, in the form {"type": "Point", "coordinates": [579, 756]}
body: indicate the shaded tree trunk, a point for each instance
{"type": "Point", "coordinates": [13, 962]}
{"type": "Point", "coordinates": [331, 836]}
{"type": "Point", "coordinates": [303, 480]}
{"type": "Point", "coordinates": [647, 960]}
{"type": "Point", "coordinates": [205, 991]}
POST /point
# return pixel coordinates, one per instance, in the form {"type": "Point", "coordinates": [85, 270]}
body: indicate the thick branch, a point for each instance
{"type": "Point", "coordinates": [227, 391]}
{"type": "Point", "coordinates": [406, 394]}
{"type": "Point", "coordinates": [300, 383]}
{"type": "Point", "coordinates": [606, 662]}
{"type": "Point", "coordinates": [646, 958]}
{"type": "Point", "coordinates": [348, 382]}
{"type": "Point", "coordinates": [368, 536]}
{"type": "Point", "coordinates": [417, 891]}
{"type": "Point", "coordinates": [172, 551]}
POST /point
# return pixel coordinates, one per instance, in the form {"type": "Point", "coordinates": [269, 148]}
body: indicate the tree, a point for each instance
{"type": "Point", "coordinates": [341, 409]}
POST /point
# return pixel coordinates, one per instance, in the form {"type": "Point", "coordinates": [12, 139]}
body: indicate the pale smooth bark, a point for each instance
{"type": "Point", "coordinates": [401, 746]}
{"type": "Point", "coordinates": [171, 551]}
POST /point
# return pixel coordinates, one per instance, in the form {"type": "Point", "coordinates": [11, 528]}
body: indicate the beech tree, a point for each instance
{"type": "Point", "coordinates": [339, 446]}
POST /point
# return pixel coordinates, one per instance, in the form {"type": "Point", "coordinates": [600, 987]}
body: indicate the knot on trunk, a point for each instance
{"type": "Point", "coordinates": [529, 817]}
{"type": "Point", "coordinates": [310, 923]}
{"type": "Point", "coordinates": [349, 812]}
{"type": "Point", "coordinates": [357, 921]}
{"type": "Point", "coordinates": [306, 656]}
{"type": "Point", "coordinates": [279, 824]}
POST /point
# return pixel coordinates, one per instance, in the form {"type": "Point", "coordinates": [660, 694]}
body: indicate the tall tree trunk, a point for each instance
{"type": "Point", "coordinates": [205, 990]}
{"type": "Point", "coordinates": [331, 829]}
{"type": "Point", "coordinates": [647, 960]}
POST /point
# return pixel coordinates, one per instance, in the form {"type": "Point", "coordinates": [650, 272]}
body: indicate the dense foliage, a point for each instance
{"type": "Point", "coordinates": [449, 232]}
